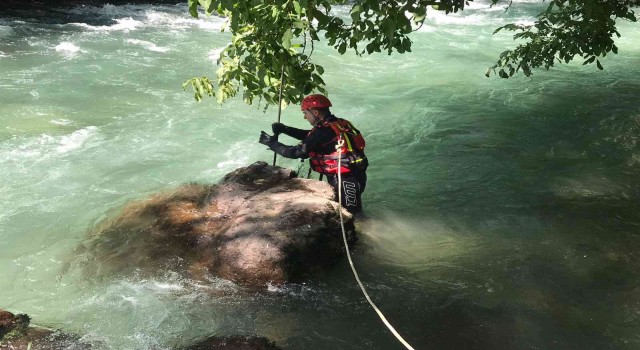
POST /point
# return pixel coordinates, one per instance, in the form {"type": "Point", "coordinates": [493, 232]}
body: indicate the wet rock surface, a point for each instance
{"type": "Point", "coordinates": [260, 225]}
{"type": "Point", "coordinates": [16, 334]}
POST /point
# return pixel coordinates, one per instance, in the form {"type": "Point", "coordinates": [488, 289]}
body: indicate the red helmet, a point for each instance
{"type": "Point", "coordinates": [315, 101]}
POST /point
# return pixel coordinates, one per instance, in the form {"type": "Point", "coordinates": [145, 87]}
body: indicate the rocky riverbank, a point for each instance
{"type": "Point", "coordinates": [17, 334]}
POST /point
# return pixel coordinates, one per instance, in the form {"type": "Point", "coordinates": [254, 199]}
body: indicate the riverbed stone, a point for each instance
{"type": "Point", "coordinates": [16, 334]}
{"type": "Point", "coordinates": [259, 225]}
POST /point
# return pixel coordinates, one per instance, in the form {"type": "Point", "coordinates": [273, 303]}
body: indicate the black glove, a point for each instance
{"type": "Point", "coordinates": [278, 128]}
{"type": "Point", "coordinates": [266, 139]}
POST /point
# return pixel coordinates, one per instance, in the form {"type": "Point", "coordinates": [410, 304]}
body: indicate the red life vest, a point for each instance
{"type": "Point", "coordinates": [353, 157]}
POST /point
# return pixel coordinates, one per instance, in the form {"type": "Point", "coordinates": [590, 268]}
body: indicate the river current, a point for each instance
{"type": "Point", "coordinates": [502, 214]}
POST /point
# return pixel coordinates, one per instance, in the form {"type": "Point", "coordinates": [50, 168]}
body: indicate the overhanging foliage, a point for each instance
{"type": "Point", "coordinates": [566, 29]}
{"type": "Point", "coordinates": [272, 40]}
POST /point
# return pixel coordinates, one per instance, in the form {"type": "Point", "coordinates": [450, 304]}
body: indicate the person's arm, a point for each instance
{"type": "Point", "coordinates": [299, 151]}
{"type": "Point", "coordinates": [298, 134]}
{"type": "Point", "coordinates": [309, 144]}
{"type": "Point", "coordinates": [294, 152]}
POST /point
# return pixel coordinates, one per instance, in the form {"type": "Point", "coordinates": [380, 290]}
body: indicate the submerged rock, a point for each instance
{"type": "Point", "coordinates": [234, 343]}
{"type": "Point", "coordinates": [16, 334]}
{"type": "Point", "coordinates": [259, 225]}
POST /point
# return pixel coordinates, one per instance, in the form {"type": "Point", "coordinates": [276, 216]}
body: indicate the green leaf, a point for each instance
{"type": "Point", "coordinates": [406, 44]}
{"type": "Point", "coordinates": [374, 5]}
{"type": "Point", "coordinates": [321, 17]}
{"type": "Point", "coordinates": [286, 38]}
{"type": "Point", "coordinates": [507, 27]}
{"type": "Point", "coordinates": [316, 79]}
{"type": "Point", "coordinates": [599, 65]}
{"type": "Point", "coordinates": [193, 8]}
{"type": "Point", "coordinates": [342, 48]}
{"type": "Point", "coordinates": [404, 24]}
{"type": "Point", "coordinates": [314, 35]}
{"type": "Point", "coordinates": [420, 14]}
{"type": "Point", "coordinates": [389, 29]}
{"type": "Point", "coordinates": [355, 12]}
{"type": "Point", "coordinates": [206, 4]}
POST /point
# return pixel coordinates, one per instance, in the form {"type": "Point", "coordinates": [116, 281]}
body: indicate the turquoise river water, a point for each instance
{"type": "Point", "coordinates": [502, 214]}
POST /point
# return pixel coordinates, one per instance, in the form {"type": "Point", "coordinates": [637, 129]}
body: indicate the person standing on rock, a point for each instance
{"type": "Point", "coordinates": [319, 145]}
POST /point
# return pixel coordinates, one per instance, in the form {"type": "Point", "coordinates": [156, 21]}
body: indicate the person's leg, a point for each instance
{"type": "Point", "coordinates": [352, 186]}
{"type": "Point", "coordinates": [362, 180]}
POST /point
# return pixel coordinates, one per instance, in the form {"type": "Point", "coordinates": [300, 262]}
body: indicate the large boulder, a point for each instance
{"type": "Point", "coordinates": [16, 334]}
{"type": "Point", "coordinates": [259, 225]}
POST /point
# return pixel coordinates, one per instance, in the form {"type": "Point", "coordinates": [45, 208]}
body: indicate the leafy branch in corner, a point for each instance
{"type": "Point", "coordinates": [566, 29]}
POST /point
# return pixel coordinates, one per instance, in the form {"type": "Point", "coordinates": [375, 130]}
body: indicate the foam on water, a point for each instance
{"type": "Point", "coordinates": [439, 18]}
{"type": "Point", "coordinates": [45, 145]}
{"type": "Point", "coordinates": [155, 310]}
{"type": "Point", "coordinates": [235, 156]}
{"type": "Point", "coordinates": [524, 22]}
{"type": "Point", "coordinates": [108, 10]}
{"type": "Point", "coordinates": [76, 140]}
{"type": "Point", "coordinates": [68, 50]}
{"type": "Point", "coordinates": [66, 46]}
{"type": "Point", "coordinates": [61, 121]}
{"type": "Point", "coordinates": [122, 24]}
{"type": "Point", "coordinates": [477, 14]}
{"type": "Point", "coordinates": [5, 30]}
{"type": "Point", "coordinates": [214, 54]}
{"type": "Point", "coordinates": [134, 17]}
{"type": "Point", "coordinates": [148, 45]}
{"type": "Point", "coordinates": [181, 21]}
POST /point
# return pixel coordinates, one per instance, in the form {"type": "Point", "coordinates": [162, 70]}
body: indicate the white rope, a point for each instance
{"type": "Point", "coordinates": [346, 246]}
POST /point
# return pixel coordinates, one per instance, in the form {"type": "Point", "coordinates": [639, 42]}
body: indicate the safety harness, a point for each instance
{"type": "Point", "coordinates": [351, 153]}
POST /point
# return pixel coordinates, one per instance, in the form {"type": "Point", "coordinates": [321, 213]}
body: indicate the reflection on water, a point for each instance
{"type": "Point", "coordinates": [546, 287]}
